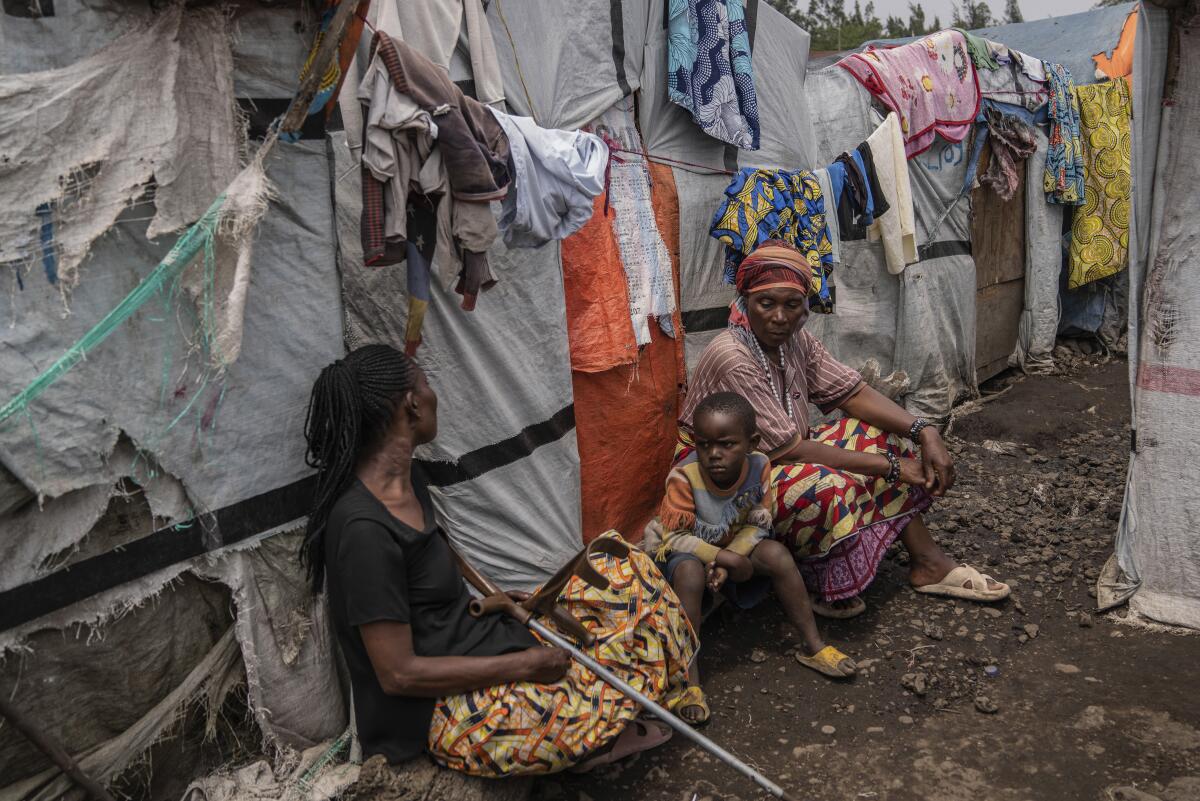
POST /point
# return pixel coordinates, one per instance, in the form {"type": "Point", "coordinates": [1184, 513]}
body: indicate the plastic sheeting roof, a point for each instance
{"type": "Point", "coordinates": [1069, 40]}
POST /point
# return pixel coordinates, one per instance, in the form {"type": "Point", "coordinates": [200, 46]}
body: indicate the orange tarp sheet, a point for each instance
{"type": "Point", "coordinates": [625, 415]}
{"type": "Point", "coordinates": [1121, 63]}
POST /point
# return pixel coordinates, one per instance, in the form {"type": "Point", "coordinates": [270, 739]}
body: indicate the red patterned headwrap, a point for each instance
{"type": "Point", "coordinates": [774, 264]}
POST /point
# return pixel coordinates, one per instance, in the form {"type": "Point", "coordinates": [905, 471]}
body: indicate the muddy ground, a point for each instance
{"type": "Point", "coordinates": [1034, 698]}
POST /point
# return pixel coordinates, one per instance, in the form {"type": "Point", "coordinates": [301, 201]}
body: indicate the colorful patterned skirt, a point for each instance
{"type": "Point", "coordinates": [838, 524]}
{"type": "Point", "coordinates": [642, 635]}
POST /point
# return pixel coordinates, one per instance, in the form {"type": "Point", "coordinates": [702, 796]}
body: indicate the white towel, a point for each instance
{"type": "Point", "coordinates": [897, 227]}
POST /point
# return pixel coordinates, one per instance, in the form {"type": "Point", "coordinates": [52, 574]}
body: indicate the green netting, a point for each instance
{"type": "Point", "coordinates": [199, 236]}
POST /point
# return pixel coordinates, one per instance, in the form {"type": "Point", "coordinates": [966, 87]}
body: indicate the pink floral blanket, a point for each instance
{"type": "Point", "coordinates": [931, 85]}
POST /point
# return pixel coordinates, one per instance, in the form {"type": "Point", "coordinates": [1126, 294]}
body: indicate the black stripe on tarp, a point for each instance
{"type": "Point", "coordinates": [161, 549]}
{"type": "Point", "coordinates": [262, 111]}
{"type": "Point", "coordinates": [238, 522]}
{"type": "Point", "coordinates": [472, 465]}
{"type": "Point", "coordinates": [698, 320]}
{"type": "Point", "coordinates": [617, 17]}
{"type": "Point", "coordinates": [944, 248]}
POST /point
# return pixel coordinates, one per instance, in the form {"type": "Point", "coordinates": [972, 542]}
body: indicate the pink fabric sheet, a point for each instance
{"type": "Point", "coordinates": [931, 85]}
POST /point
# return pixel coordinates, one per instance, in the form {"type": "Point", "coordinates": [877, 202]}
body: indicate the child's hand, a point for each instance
{"type": "Point", "coordinates": [716, 576]}
{"type": "Point", "coordinates": [736, 566]}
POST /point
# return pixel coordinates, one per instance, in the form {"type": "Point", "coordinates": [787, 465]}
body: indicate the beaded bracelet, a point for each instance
{"type": "Point", "coordinates": [914, 430]}
{"type": "Point", "coordinates": [893, 473]}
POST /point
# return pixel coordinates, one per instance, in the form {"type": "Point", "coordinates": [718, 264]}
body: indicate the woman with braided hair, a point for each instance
{"type": "Point", "coordinates": [845, 490]}
{"type": "Point", "coordinates": [482, 695]}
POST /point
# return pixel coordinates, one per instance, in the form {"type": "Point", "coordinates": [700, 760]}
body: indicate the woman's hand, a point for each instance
{"type": "Point", "coordinates": [912, 472]}
{"type": "Point", "coordinates": [543, 665]}
{"type": "Point", "coordinates": [937, 462]}
{"type": "Point", "coordinates": [518, 596]}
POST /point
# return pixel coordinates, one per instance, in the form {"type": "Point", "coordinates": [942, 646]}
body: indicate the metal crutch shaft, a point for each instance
{"type": "Point", "coordinates": [657, 710]}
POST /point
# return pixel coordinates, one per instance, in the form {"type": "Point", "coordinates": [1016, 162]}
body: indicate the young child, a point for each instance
{"type": "Point", "coordinates": [715, 525]}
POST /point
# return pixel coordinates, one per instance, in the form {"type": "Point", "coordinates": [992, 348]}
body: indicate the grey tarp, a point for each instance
{"type": "Point", "coordinates": [1158, 548]}
{"type": "Point", "coordinates": [1070, 40]}
{"type": "Point", "coordinates": [565, 69]}
{"type": "Point", "coordinates": [76, 30]}
{"type": "Point", "coordinates": [76, 155]}
{"type": "Point", "coordinates": [1043, 265]}
{"type": "Point", "coordinates": [280, 628]}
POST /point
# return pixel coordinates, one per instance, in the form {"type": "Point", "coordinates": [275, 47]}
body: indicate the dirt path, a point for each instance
{"type": "Point", "coordinates": [1084, 706]}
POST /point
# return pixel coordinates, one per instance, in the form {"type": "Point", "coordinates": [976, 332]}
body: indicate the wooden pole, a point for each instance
{"type": "Point", "coordinates": [293, 118]}
{"type": "Point", "coordinates": [52, 749]}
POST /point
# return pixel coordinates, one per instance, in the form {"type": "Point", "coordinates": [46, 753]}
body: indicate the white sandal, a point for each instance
{"type": "Point", "coordinates": [968, 583]}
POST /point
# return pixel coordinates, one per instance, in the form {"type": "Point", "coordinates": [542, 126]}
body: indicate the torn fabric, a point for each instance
{"type": "Point", "coordinates": [76, 143]}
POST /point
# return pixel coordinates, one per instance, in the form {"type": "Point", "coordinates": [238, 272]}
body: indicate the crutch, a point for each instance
{"type": "Point", "coordinates": [544, 600]}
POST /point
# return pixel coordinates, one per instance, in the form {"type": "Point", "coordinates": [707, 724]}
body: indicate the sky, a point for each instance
{"type": "Point", "coordinates": [1031, 9]}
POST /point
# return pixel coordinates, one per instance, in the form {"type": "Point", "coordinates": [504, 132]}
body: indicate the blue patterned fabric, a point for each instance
{"type": "Point", "coordinates": [1063, 180]}
{"type": "Point", "coordinates": [710, 71]}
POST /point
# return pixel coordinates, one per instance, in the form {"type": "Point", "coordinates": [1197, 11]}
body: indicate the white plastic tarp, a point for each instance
{"type": "Point", "coordinates": [1158, 548]}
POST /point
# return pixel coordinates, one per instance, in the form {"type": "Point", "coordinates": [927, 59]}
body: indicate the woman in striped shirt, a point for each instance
{"type": "Point", "coordinates": [844, 490]}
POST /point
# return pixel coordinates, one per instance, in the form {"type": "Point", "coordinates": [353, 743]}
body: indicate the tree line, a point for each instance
{"type": "Point", "coordinates": [834, 26]}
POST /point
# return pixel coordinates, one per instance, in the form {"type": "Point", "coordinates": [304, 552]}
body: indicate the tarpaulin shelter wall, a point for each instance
{"type": "Point", "coordinates": [1158, 548]}
{"type": "Point", "coordinates": [1080, 42]}
{"type": "Point", "coordinates": [111, 573]}
{"type": "Point", "coordinates": [931, 335]}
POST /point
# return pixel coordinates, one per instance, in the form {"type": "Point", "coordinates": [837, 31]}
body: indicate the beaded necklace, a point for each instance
{"type": "Point", "coordinates": [784, 397]}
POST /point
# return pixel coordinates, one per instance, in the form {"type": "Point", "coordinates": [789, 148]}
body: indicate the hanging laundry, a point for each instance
{"type": "Point", "coordinates": [435, 29]}
{"type": "Point", "coordinates": [831, 219]}
{"type": "Point", "coordinates": [1031, 67]}
{"type": "Point", "coordinates": [556, 176]}
{"type": "Point", "coordinates": [710, 72]}
{"type": "Point", "coordinates": [644, 254]}
{"type": "Point", "coordinates": [419, 249]}
{"type": "Point", "coordinates": [455, 165]}
{"type": "Point", "coordinates": [1063, 181]}
{"type": "Point", "coordinates": [1012, 140]}
{"type": "Point", "coordinates": [980, 51]}
{"type": "Point", "coordinates": [1100, 229]}
{"type": "Point", "coordinates": [1010, 84]}
{"type": "Point", "coordinates": [853, 204]}
{"type": "Point", "coordinates": [931, 84]}
{"type": "Point", "coordinates": [764, 204]}
{"type": "Point", "coordinates": [877, 202]}
{"type": "Point", "coordinates": [897, 230]}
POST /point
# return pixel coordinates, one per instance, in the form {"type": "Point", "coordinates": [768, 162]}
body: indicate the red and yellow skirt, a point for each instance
{"type": "Point", "coordinates": [642, 635]}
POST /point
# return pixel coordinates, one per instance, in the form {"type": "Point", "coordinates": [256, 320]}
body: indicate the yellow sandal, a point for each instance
{"type": "Point", "coordinates": [830, 662]}
{"type": "Point", "coordinates": [693, 696]}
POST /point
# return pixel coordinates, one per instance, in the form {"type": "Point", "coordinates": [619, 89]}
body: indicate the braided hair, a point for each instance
{"type": "Point", "coordinates": [352, 404]}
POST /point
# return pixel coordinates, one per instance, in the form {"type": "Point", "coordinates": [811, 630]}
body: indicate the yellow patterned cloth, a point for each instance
{"type": "Point", "coordinates": [642, 635]}
{"type": "Point", "coordinates": [1100, 230]}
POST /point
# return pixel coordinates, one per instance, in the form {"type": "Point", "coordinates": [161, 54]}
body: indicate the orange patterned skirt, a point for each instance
{"type": "Point", "coordinates": [642, 635]}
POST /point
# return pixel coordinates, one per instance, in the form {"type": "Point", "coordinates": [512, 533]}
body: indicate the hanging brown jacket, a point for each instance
{"type": "Point", "coordinates": [474, 147]}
